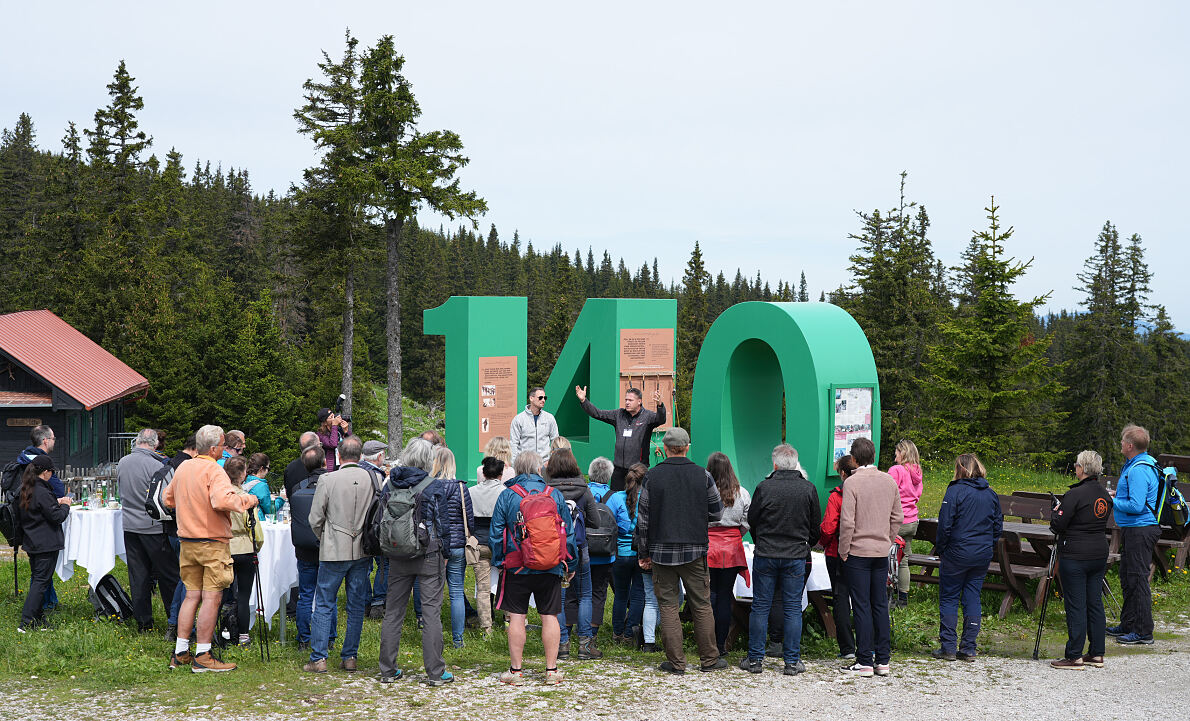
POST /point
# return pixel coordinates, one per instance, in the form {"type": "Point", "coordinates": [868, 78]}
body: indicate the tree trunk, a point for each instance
{"type": "Point", "coordinates": [348, 339]}
{"type": "Point", "coordinates": [396, 425]}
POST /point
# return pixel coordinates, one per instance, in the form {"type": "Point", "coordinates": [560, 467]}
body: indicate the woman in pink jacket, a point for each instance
{"type": "Point", "coordinates": [907, 474]}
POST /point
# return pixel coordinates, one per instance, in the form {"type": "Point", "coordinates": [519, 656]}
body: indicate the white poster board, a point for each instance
{"type": "Point", "coordinates": [853, 419]}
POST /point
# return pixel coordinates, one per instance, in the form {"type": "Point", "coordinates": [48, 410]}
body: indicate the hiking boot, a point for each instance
{"type": "Point", "coordinates": [376, 611]}
{"type": "Point", "coordinates": [943, 655]}
{"type": "Point", "coordinates": [618, 639]}
{"type": "Point", "coordinates": [318, 666]}
{"type": "Point", "coordinates": [587, 650]}
{"type": "Point", "coordinates": [849, 656]}
{"type": "Point", "coordinates": [512, 678]}
{"type": "Point", "coordinates": [421, 623]}
{"type": "Point", "coordinates": [204, 662]}
{"type": "Point", "coordinates": [648, 648]}
{"type": "Point", "coordinates": [793, 669]}
{"type": "Point", "coordinates": [389, 677]}
{"type": "Point", "coordinates": [444, 679]}
{"type": "Point", "coordinates": [180, 659]}
{"type": "Point", "coordinates": [718, 665]}
{"type": "Point", "coordinates": [303, 645]}
{"type": "Point", "coordinates": [1072, 664]}
{"type": "Point", "coordinates": [1096, 661]}
{"type": "Point", "coordinates": [638, 637]}
{"type": "Point", "coordinates": [968, 657]}
{"type": "Point", "coordinates": [348, 665]}
{"type": "Point", "coordinates": [553, 678]}
{"type": "Point", "coordinates": [1134, 639]}
{"type": "Point", "coordinates": [881, 669]}
{"type": "Point", "coordinates": [1115, 630]}
{"type": "Point", "coordinates": [775, 650]}
{"type": "Point", "coordinates": [564, 651]}
{"type": "Point", "coordinates": [752, 665]}
{"type": "Point", "coordinates": [668, 667]}
{"type": "Point", "coordinates": [859, 669]}
{"type": "Point", "coordinates": [171, 632]}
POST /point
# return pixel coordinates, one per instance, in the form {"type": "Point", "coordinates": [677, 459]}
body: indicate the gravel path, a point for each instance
{"type": "Point", "coordinates": [1147, 684]}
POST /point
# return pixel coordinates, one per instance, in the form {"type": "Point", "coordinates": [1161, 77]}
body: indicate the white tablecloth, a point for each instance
{"type": "Point", "coordinates": [278, 569]}
{"type": "Point", "coordinates": [93, 540]}
{"type": "Point", "coordinates": [819, 579]}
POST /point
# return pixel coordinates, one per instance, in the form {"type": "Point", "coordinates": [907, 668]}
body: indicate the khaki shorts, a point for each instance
{"type": "Point", "coordinates": [205, 565]}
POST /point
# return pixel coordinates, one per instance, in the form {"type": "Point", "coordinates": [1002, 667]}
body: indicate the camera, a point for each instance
{"type": "Point", "coordinates": [339, 407]}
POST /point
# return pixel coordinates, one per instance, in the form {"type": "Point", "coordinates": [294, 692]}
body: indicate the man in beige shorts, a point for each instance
{"type": "Point", "coordinates": [203, 495]}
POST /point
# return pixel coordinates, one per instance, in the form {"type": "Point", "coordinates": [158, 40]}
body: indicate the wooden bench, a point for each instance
{"type": "Point", "coordinates": [1005, 564]}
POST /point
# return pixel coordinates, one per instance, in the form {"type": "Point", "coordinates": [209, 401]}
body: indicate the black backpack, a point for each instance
{"type": "Point", "coordinates": [602, 534]}
{"type": "Point", "coordinates": [110, 600]}
{"type": "Point", "coordinates": [300, 502]}
{"type": "Point", "coordinates": [10, 483]}
{"type": "Point", "coordinates": [371, 533]}
{"type": "Point", "coordinates": [155, 498]}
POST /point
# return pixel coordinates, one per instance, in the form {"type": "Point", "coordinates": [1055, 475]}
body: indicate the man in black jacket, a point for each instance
{"type": "Point", "coordinates": [784, 517]}
{"type": "Point", "coordinates": [634, 427]}
{"type": "Point", "coordinates": [677, 503]}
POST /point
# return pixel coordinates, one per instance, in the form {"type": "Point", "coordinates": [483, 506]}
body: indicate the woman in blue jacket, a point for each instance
{"type": "Point", "coordinates": [255, 483]}
{"type": "Point", "coordinates": [969, 525]}
{"type": "Point", "coordinates": [629, 602]}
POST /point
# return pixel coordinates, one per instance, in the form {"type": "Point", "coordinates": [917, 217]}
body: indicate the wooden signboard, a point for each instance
{"type": "Point", "coordinates": [647, 363]}
{"type": "Point", "coordinates": [499, 396]}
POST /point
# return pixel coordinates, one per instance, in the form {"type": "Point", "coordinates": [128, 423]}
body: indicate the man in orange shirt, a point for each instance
{"type": "Point", "coordinates": [203, 495]}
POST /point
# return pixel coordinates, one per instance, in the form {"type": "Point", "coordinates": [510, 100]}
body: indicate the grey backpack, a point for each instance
{"type": "Point", "coordinates": [401, 530]}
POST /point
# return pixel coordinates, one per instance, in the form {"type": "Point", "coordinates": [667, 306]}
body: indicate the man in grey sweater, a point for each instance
{"type": "Point", "coordinates": [150, 555]}
{"type": "Point", "coordinates": [869, 520]}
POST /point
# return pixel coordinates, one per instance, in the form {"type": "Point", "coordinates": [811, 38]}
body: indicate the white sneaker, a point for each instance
{"type": "Point", "coordinates": [881, 669]}
{"type": "Point", "coordinates": [859, 669]}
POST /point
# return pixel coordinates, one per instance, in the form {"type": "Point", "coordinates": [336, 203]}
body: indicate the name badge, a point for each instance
{"type": "Point", "coordinates": [627, 432]}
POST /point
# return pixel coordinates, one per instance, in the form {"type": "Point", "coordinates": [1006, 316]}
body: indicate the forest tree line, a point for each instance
{"type": "Point", "coordinates": [235, 305]}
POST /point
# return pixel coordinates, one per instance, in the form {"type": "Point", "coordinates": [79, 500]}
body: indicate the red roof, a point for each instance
{"type": "Point", "coordinates": [66, 359]}
{"type": "Point", "coordinates": [16, 399]}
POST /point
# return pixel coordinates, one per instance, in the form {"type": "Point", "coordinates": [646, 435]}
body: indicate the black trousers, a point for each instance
{"type": "Point", "coordinates": [841, 611]}
{"type": "Point", "coordinates": [151, 561]}
{"type": "Point", "coordinates": [245, 576]}
{"type": "Point", "coordinates": [1136, 612]}
{"type": "Point", "coordinates": [601, 578]}
{"type": "Point", "coordinates": [42, 567]}
{"type": "Point", "coordinates": [722, 596]}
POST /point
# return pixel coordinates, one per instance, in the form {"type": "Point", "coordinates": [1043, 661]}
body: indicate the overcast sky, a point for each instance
{"type": "Point", "coordinates": [755, 128]}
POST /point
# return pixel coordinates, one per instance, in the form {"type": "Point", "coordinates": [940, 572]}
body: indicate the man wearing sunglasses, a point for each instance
{"type": "Point", "coordinates": [533, 429]}
{"type": "Point", "coordinates": [236, 441]}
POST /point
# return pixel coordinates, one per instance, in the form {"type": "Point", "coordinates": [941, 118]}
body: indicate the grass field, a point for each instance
{"type": "Point", "coordinates": [81, 655]}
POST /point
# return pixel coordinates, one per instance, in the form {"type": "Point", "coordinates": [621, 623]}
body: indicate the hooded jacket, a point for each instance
{"type": "Point", "coordinates": [26, 457]}
{"type": "Point", "coordinates": [527, 434]}
{"type": "Point", "coordinates": [969, 522]}
{"type": "Point", "coordinates": [1136, 492]}
{"type": "Point", "coordinates": [908, 478]}
{"type": "Point", "coordinates": [409, 476]}
{"type": "Point", "coordinates": [504, 518]}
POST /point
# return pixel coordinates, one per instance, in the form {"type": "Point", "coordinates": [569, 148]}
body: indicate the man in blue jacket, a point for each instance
{"type": "Point", "coordinates": [518, 584]}
{"type": "Point", "coordinates": [1136, 515]}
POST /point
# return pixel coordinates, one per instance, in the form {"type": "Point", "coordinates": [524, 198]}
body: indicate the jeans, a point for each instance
{"type": "Point", "coordinates": [1136, 612]}
{"type": "Point", "coordinates": [1082, 593]}
{"type": "Point", "coordinates": [429, 572]}
{"type": "Point", "coordinates": [649, 614]}
{"type": "Point", "coordinates": [331, 575]}
{"type": "Point", "coordinates": [151, 562]}
{"type": "Point", "coordinates": [307, 584]}
{"type": "Point", "coordinates": [629, 601]}
{"type": "Point", "coordinates": [380, 582]}
{"type": "Point", "coordinates": [580, 589]}
{"type": "Point", "coordinates": [456, 567]}
{"type": "Point", "coordinates": [866, 575]}
{"type": "Point", "coordinates": [695, 578]}
{"type": "Point", "coordinates": [841, 610]}
{"type": "Point", "coordinates": [957, 582]}
{"type": "Point", "coordinates": [49, 599]}
{"type": "Point", "coordinates": [41, 570]}
{"type": "Point", "coordinates": [767, 574]}
{"type": "Point", "coordinates": [722, 597]}
{"type": "Point", "coordinates": [180, 589]}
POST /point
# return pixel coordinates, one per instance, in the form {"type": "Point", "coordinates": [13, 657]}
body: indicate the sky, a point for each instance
{"type": "Point", "coordinates": [757, 129]}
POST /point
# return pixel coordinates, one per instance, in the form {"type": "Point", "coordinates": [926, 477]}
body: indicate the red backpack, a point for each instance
{"type": "Point", "coordinates": [540, 533]}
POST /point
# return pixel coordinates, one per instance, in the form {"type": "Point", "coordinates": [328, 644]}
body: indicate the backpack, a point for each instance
{"type": "Point", "coordinates": [110, 600]}
{"type": "Point", "coordinates": [10, 483]}
{"type": "Point", "coordinates": [155, 498]}
{"type": "Point", "coordinates": [578, 521]}
{"type": "Point", "coordinates": [300, 502]}
{"type": "Point", "coordinates": [1171, 504]}
{"type": "Point", "coordinates": [539, 532]}
{"type": "Point", "coordinates": [401, 531]}
{"type": "Point", "coordinates": [602, 534]}
{"type": "Point", "coordinates": [371, 533]}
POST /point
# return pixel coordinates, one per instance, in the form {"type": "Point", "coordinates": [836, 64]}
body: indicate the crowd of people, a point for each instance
{"type": "Point", "coordinates": [658, 537]}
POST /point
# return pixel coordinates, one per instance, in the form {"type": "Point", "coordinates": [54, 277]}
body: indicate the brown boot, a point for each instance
{"type": "Point", "coordinates": [180, 659]}
{"type": "Point", "coordinates": [587, 650]}
{"type": "Point", "coordinates": [348, 665]}
{"type": "Point", "coordinates": [318, 666]}
{"type": "Point", "coordinates": [204, 662]}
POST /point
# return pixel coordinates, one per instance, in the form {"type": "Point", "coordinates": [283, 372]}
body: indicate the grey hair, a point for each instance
{"type": "Point", "coordinates": [418, 453]}
{"type": "Point", "coordinates": [307, 439]}
{"type": "Point", "coordinates": [1091, 462]}
{"type": "Point", "coordinates": [39, 434]}
{"type": "Point", "coordinates": [527, 462]}
{"type": "Point", "coordinates": [600, 470]}
{"type": "Point", "coordinates": [785, 457]}
{"type": "Point", "coordinates": [147, 438]}
{"type": "Point", "coordinates": [207, 438]}
{"type": "Point", "coordinates": [351, 448]}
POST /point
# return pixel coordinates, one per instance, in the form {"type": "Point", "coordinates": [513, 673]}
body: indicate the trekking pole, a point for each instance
{"type": "Point", "coordinates": [16, 583]}
{"type": "Point", "coordinates": [262, 634]}
{"type": "Point", "coordinates": [1045, 602]}
{"type": "Point", "coordinates": [1112, 595]}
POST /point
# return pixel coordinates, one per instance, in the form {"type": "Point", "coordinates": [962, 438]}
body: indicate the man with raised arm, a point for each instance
{"type": "Point", "coordinates": [634, 427]}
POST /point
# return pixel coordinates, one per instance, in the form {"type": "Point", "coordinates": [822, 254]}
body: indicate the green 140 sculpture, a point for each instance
{"type": "Point", "coordinates": [767, 372]}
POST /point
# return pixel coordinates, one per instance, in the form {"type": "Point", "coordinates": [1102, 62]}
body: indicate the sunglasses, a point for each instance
{"type": "Point", "coordinates": [539, 398]}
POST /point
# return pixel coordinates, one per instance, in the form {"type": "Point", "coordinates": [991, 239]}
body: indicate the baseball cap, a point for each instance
{"type": "Point", "coordinates": [42, 463]}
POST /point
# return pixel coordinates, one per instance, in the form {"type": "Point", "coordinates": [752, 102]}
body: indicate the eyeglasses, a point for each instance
{"type": "Point", "coordinates": [539, 398]}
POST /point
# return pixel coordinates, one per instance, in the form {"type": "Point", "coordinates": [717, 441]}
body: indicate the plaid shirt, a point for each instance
{"type": "Point", "coordinates": [673, 554]}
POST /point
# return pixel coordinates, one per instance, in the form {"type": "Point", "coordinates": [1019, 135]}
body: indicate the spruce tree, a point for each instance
{"type": "Point", "coordinates": [693, 323]}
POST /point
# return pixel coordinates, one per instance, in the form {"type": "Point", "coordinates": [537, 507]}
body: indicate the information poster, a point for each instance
{"type": "Point", "coordinates": [499, 396]}
{"type": "Point", "coordinates": [853, 418]}
{"type": "Point", "coordinates": [647, 363]}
